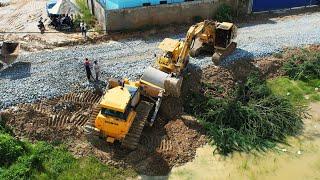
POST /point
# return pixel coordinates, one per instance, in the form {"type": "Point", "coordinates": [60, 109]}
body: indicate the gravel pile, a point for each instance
{"type": "Point", "coordinates": [54, 73]}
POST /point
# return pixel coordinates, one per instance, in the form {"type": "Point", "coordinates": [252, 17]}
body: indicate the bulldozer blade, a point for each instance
{"type": "Point", "coordinates": [157, 78]}
{"type": "Point", "coordinates": [89, 130]}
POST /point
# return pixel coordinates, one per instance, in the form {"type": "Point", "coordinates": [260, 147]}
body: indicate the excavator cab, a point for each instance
{"type": "Point", "coordinates": [225, 33]}
{"type": "Point", "coordinates": [170, 47]}
{"type": "Point", "coordinates": [224, 41]}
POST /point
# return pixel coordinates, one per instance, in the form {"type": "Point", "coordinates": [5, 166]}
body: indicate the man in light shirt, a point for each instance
{"type": "Point", "coordinates": [96, 68]}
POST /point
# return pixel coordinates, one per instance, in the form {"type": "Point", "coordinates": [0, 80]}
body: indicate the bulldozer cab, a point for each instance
{"type": "Point", "coordinates": [117, 111]}
{"type": "Point", "coordinates": [119, 99]}
{"type": "Point", "coordinates": [225, 33]}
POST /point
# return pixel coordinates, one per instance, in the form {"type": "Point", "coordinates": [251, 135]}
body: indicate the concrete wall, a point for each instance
{"type": "Point", "coordinates": [160, 15]}
{"type": "Point", "coordinates": [99, 12]}
{"type": "Point", "coordinates": [135, 18]}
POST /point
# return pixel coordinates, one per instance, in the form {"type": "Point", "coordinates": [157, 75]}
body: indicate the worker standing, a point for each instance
{"type": "Point", "coordinates": [81, 28]}
{"type": "Point", "coordinates": [88, 70]}
{"type": "Point", "coordinates": [96, 68]}
{"type": "Point", "coordinates": [85, 30]}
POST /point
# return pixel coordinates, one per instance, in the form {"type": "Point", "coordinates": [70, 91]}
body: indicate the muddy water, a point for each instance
{"type": "Point", "coordinates": [299, 160]}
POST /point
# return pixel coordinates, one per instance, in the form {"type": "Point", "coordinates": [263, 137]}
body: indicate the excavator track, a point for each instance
{"type": "Point", "coordinates": [221, 54]}
{"type": "Point", "coordinates": [131, 140]}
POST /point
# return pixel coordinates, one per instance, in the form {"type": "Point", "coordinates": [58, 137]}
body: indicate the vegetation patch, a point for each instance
{"type": "Point", "coordinates": [224, 13]}
{"type": "Point", "coordinates": [297, 91]}
{"type": "Point", "coordinates": [304, 66]}
{"type": "Point", "coordinates": [23, 160]}
{"type": "Point", "coordinates": [86, 15]}
{"type": "Point", "coordinates": [252, 118]}
{"type": "Point", "coordinates": [301, 83]}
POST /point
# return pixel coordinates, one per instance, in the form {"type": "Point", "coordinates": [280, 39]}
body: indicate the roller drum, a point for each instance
{"type": "Point", "coordinates": [171, 84]}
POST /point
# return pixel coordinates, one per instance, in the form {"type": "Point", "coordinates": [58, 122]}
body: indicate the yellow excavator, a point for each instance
{"type": "Point", "coordinates": [217, 37]}
{"type": "Point", "coordinates": [123, 111]}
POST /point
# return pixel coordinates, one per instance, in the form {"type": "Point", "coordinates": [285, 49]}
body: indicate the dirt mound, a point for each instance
{"type": "Point", "coordinates": [52, 120]}
{"type": "Point", "coordinates": [220, 81]}
{"type": "Point", "coordinates": [33, 125]}
{"type": "Point", "coordinates": [166, 144]}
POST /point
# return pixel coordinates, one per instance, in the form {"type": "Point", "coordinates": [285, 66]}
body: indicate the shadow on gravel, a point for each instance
{"type": "Point", "coordinates": [237, 55]}
{"type": "Point", "coordinates": [267, 17]}
{"type": "Point", "coordinates": [262, 21]}
{"type": "Point", "coordinates": [16, 71]}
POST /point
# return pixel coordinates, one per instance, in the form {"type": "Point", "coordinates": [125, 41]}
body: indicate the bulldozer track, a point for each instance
{"type": "Point", "coordinates": [85, 97]}
{"type": "Point", "coordinates": [91, 119]}
{"type": "Point", "coordinates": [159, 144]}
{"type": "Point", "coordinates": [132, 139]}
{"type": "Point", "coordinates": [165, 145]}
{"type": "Point", "coordinates": [61, 120]}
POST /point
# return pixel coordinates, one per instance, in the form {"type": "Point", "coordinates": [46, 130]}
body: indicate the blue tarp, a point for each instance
{"type": "Point", "coordinates": [50, 4]}
{"type": "Point", "coordinates": [267, 5]}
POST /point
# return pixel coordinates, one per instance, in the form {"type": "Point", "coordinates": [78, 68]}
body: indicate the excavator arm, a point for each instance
{"type": "Point", "coordinates": [192, 33]}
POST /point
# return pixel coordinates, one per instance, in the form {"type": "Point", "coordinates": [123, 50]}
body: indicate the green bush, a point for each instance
{"type": "Point", "coordinates": [224, 13]}
{"type": "Point", "coordinates": [58, 161]}
{"type": "Point", "coordinates": [23, 160]}
{"type": "Point", "coordinates": [24, 168]}
{"type": "Point", "coordinates": [44, 161]}
{"type": "Point", "coordinates": [303, 66]}
{"type": "Point", "coordinates": [3, 128]}
{"type": "Point", "coordinates": [10, 149]}
{"type": "Point", "coordinates": [87, 17]}
{"type": "Point", "coordinates": [91, 168]}
{"type": "Point", "coordinates": [253, 118]}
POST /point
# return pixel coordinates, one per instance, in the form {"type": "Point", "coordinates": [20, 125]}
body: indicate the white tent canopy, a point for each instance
{"type": "Point", "coordinates": [64, 7]}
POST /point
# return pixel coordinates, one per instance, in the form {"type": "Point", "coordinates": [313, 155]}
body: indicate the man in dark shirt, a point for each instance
{"type": "Point", "coordinates": [87, 67]}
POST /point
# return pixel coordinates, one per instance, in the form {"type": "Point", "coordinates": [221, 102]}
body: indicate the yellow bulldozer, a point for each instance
{"type": "Point", "coordinates": [206, 35]}
{"type": "Point", "coordinates": [123, 111]}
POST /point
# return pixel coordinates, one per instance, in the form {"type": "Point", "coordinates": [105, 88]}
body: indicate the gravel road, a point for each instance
{"type": "Point", "coordinates": [53, 73]}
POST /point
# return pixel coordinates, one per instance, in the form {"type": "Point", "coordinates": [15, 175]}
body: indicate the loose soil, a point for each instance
{"type": "Point", "coordinates": [220, 81]}
{"type": "Point", "coordinates": [170, 142]}
{"type": "Point", "coordinates": [173, 139]}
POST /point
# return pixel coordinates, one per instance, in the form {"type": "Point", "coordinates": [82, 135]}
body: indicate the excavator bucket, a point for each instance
{"type": "Point", "coordinates": [9, 53]}
{"type": "Point", "coordinates": [157, 78]}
